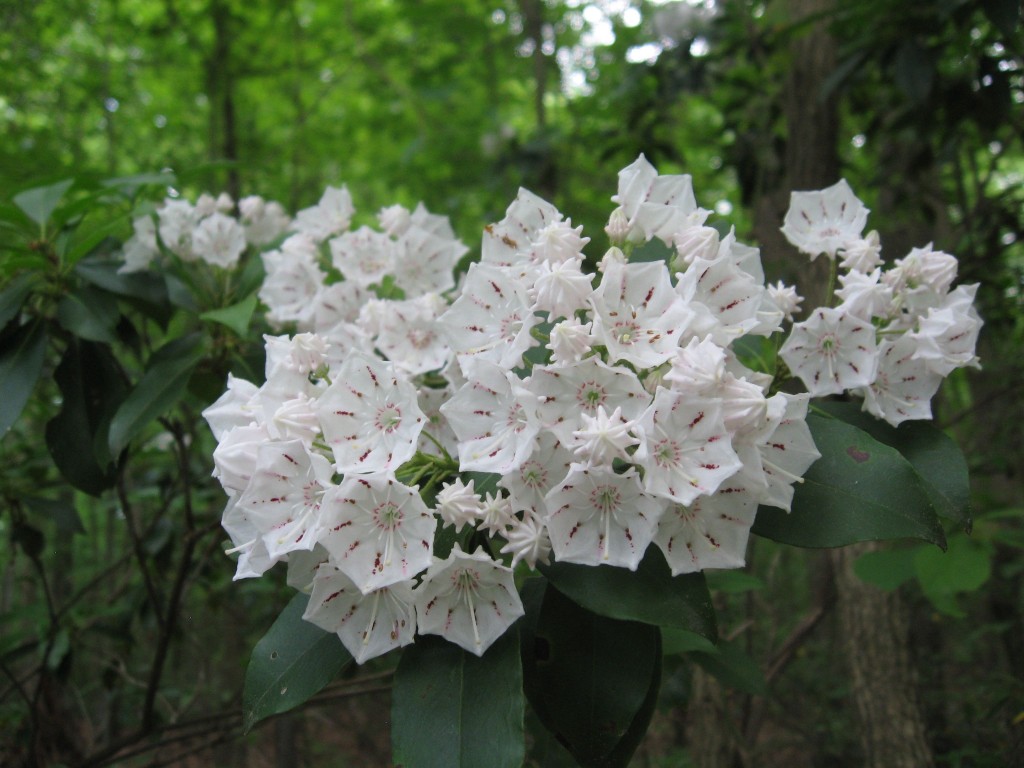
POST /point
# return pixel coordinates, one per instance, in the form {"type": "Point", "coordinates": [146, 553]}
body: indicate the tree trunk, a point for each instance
{"type": "Point", "coordinates": [875, 634]}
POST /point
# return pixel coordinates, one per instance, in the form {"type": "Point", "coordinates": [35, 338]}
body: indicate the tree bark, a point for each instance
{"type": "Point", "coordinates": [875, 639]}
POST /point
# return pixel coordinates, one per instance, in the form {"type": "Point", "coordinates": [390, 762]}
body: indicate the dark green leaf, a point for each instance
{"type": "Point", "coordinates": [91, 390]}
{"type": "Point", "coordinates": [935, 456]}
{"type": "Point", "coordinates": [733, 666]}
{"type": "Point", "coordinates": [451, 709]}
{"type": "Point", "coordinates": [89, 313]}
{"type": "Point", "coordinates": [62, 514]}
{"type": "Point", "coordinates": [145, 289]}
{"type": "Point", "coordinates": [887, 569]}
{"type": "Point", "coordinates": [590, 679]}
{"type": "Point", "coordinates": [21, 362]}
{"type": "Point", "coordinates": [236, 317]}
{"type": "Point", "coordinates": [859, 490]}
{"type": "Point", "coordinates": [39, 203]}
{"type": "Point", "coordinates": [293, 661]}
{"type": "Point", "coordinates": [650, 594]}
{"type": "Point", "coordinates": [675, 641]}
{"type": "Point", "coordinates": [13, 296]}
{"type": "Point", "coordinates": [87, 238]}
{"type": "Point", "coordinates": [163, 384]}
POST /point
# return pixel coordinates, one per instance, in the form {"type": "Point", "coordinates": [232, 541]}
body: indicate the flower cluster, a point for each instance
{"type": "Point", "coordinates": [204, 232]}
{"type": "Point", "coordinates": [542, 408]}
{"type": "Point", "coordinates": [894, 334]}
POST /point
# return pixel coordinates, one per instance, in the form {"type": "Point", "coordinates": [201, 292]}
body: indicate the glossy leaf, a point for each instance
{"type": "Point", "coordinates": [451, 709]}
{"type": "Point", "coordinates": [39, 203]}
{"type": "Point", "coordinates": [934, 455]}
{"type": "Point", "coordinates": [590, 679]}
{"type": "Point", "coordinates": [734, 667]}
{"type": "Point", "coordinates": [21, 362]}
{"type": "Point", "coordinates": [90, 314]}
{"type": "Point", "coordinates": [859, 490]}
{"type": "Point", "coordinates": [13, 296]}
{"type": "Point", "coordinates": [650, 594]}
{"type": "Point", "coordinates": [161, 387]}
{"type": "Point", "coordinates": [91, 389]}
{"type": "Point", "coordinates": [293, 661]}
{"type": "Point", "coordinates": [143, 289]}
{"type": "Point", "coordinates": [236, 317]}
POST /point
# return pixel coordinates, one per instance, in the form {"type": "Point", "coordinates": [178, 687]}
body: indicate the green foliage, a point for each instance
{"type": "Point", "coordinates": [859, 490]}
{"type": "Point", "coordinates": [293, 661]}
{"type": "Point", "coordinates": [451, 708]}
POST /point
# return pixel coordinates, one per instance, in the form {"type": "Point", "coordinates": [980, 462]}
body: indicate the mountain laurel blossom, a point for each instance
{"type": "Point", "coordinates": [424, 438]}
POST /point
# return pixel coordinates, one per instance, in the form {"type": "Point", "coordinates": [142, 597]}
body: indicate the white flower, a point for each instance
{"type": "Point", "coordinates": [295, 419]}
{"type": "Point", "coordinates": [862, 255]}
{"type": "Point", "coordinates": [364, 256]}
{"type": "Point", "coordinates": [711, 532]}
{"type": "Point", "coordinates": [233, 408]}
{"type": "Point", "coordinates": [656, 206]}
{"type": "Point", "coordinates": [495, 513]}
{"type": "Point", "coordinates": [904, 385]}
{"type": "Point", "coordinates": [530, 482]}
{"type": "Point", "coordinates": [410, 336]}
{"type": "Point", "coordinates": [864, 295]}
{"type": "Point", "coordinates": [457, 504]}
{"type": "Point", "coordinates": [509, 241]}
{"type": "Point", "coordinates": [292, 283]}
{"type": "Point", "coordinates": [697, 242]}
{"type": "Point", "coordinates": [564, 393]}
{"type": "Point", "coordinates": [528, 541]}
{"type": "Point", "coordinates": [600, 517]}
{"type": "Point", "coordinates": [785, 450]}
{"type": "Point", "coordinates": [495, 420]}
{"type": "Point", "coordinates": [731, 296]}
{"type": "Point", "coordinates": [925, 267]}
{"type": "Point", "coordinates": [947, 335]}
{"type": "Point", "coordinates": [328, 217]}
{"type": "Point", "coordinates": [370, 416]}
{"type": "Point", "coordinates": [338, 303]}
{"type": "Point", "coordinates": [637, 314]}
{"type": "Point", "coordinates": [394, 219]}
{"type": "Point", "coordinates": [825, 221]}
{"type": "Point", "coordinates": [436, 427]}
{"type": "Point", "coordinates": [178, 219]}
{"type": "Point", "coordinates": [468, 599]}
{"type": "Point", "coordinates": [831, 351]}
{"type": "Point", "coordinates": [283, 497]}
{"type": "Point", "coordinates": [253, 558]}
{"type": "Point", "coordinates": [785, 298]}
{"type": "Point", "coordinates": [368, 625]}
{"type": "Point", "coordinates": [558, 242]}
{"type": "Point", "coordinates": [235, 456]}
{"type": "Point", "coordinates": [603, 437]}
{"type": "Point", "coordinates": [264, 221]}
{"type": "Point", "coordinates": [569, 341]}
{"type": "Point", "coordinates": [491, 319]}
{"type": "Point", "coordinates": [561, 288]}
{"type": "Point", "coordinates": [684, 447]}
{"type": "Point", "coordinates": [377, 530]}
{"type": "Point", "coordinates": [219, 240]}
{"type": "Point", "coordinates": [424, 262]}
{"type": "Point", "coordinates": [140, 250]}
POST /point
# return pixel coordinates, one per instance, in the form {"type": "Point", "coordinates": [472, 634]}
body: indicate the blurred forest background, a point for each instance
{"type": "Point", "coordinates": [881, 656]}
